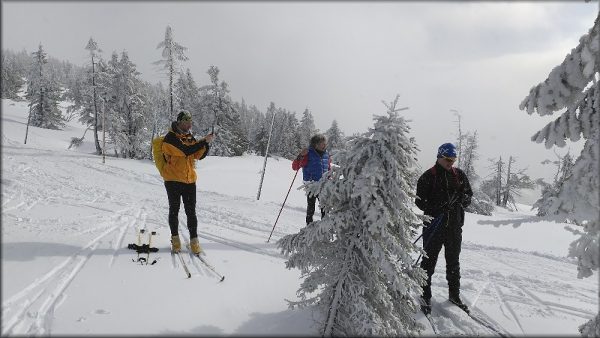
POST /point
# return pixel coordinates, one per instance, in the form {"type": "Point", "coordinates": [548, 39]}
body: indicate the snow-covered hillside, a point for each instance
{"type": "Point", "coordinates": [67, 220]}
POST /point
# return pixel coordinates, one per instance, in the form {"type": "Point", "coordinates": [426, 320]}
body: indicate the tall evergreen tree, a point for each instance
{"type": "Point", "coordinates": [250, 118]}
{"type": "Point", "coordinates": [187, 93]}
{"type": "Point", "coordinates": [469, 156]}
{"type": "Point", "coordinates": [127, 105]}
{"type": "Point", "coordinates": [564, 167]}
{"type": "Point", "coordinates": [492, 186]}
{"type": "Point", "coordinates": [254, 122]}
{"type": "Point", "coordinates": [92, 46]}
{"type": "Point", "coordinates": [12, 76]}
{"type": "Point", "coordinates": [306, 129]}
{"type": "Point", "coordinates": [335, 137]}
{"type": "Point", "coordinates": [480, 202]}
{"type": "Point", "coordinates": [262, 135]}
{"type": "Point", "coordinates": [516, 180]}
{"type": "Point", "coordinates": [573, 85]}
{"type": "Point", "coordinates": [159, 111]}
{"type": "Point", "coordinates": [43, 94]}
{"type": "Point", "coordinates": [357, 259]}
{"type": "Point", "coordinates": [172, 54]}
{"type": "Point", "coordinates": [230, 140]}
{"type": "Point", "coordinates": [285, 141]}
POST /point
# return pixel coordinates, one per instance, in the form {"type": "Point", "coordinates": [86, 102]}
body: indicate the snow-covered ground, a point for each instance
{"type": "Point", "coordinates": [67, 219]}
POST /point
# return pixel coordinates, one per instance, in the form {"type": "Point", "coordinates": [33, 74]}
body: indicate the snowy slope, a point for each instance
{"type": "Point", "coordinates": [67, 219]}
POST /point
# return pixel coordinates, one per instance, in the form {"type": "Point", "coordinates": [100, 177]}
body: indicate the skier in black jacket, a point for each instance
{"type": "Point", "coordinates": [442, 193]}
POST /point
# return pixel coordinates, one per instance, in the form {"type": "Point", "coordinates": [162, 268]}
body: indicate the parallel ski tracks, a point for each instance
{"type": "Point", "coordinates": [516, 284]}
{"type": "Point", "coordinates": [31, 310]}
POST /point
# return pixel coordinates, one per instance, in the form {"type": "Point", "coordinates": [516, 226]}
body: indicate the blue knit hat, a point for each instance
{"type": "Point", "coordinates": [446, 150]}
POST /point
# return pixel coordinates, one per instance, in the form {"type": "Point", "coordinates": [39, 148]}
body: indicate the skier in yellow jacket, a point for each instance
{"type": "Point", "coordinates": [180, 150]}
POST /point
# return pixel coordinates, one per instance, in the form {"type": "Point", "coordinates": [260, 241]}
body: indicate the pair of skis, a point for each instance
{"type": "Point", "coordinates": [476, 318]}
{"type": "Point", "coordinates": [202, 260]}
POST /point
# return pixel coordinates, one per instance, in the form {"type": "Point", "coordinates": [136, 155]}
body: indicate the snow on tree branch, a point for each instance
{"type": "Point", "coordinates": [572, 123]}
{"type": "Point", "coordinates": [566, 81]}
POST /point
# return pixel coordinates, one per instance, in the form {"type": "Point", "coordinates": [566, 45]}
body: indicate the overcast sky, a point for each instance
{"type": "Point", "coordinates": [340, 59]}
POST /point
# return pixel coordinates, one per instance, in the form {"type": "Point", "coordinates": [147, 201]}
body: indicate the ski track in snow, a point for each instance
{"type": "Point", "coordinates": [33, 319]}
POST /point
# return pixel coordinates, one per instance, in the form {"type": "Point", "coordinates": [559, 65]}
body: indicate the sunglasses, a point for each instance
{"type": "Point", "coordinates": [449, 159]}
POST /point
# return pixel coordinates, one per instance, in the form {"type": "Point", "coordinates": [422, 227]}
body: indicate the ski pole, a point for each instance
{"type": "Point", "coordinates": [434, 225]}
{"type": "Point", "coordinates": [451, 202]}
{"type": "Point", "coordinates": [140, 233]}
{"type": "Point", "coordinates": [149, 245]}
{"type": "Point", "coordinates": [434, 222]}
{"type": "Point", "coordinates": [286, 196]}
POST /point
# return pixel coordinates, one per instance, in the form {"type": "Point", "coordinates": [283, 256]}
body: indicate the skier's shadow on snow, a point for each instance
{"type": "Point", "coordinates": [298, 322]}
{"type": "Point", "coordinates": [205, 330]}
{"type": "Point", "coordinates": [26, 251]}
{"type": "Point", "coordinates": [515, 222]}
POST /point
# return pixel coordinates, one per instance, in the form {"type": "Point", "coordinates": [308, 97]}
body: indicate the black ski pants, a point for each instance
{"type": "Point", "coordinates": [176, 192]}
{"type": "Point", "coordinates": [311, 201]}
{"type": "Point", "coordinates": [450, 237]}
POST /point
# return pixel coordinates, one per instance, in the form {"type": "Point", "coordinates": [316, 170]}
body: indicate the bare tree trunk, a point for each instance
{"type": "Point", "coordinates": [335, 302]}
{"type": "Point", "coordinates": [104, 135]}
{"type": "Point", "coordinates": [152, 138]}
{"type": "Point", "coordinates": [508, 185]}
{"type": "Point", "coordinates": [499, 182]}
{"type": "Point", "coordinates": [96, 141]}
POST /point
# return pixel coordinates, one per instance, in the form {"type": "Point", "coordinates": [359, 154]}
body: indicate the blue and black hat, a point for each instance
{"type": "Point", "coordinates": [447, 150]}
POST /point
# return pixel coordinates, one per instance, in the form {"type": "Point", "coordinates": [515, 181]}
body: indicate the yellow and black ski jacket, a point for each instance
{"type": "Point", "coordinates": [180, 150]}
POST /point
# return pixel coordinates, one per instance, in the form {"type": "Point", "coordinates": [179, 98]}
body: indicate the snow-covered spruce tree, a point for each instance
{"type": "Point", "coordinates": [358, 257]}
{"type": "Point", "coordinates": [573, 85]}
{"type": "Point", "coordinates": [12, 76]}
{"type": "Point", "coordinates": [75, 92]}
{"type": "Point", "coordinates": [492, 186]}
{"type": "Point", "coordinates": [505, 183]}
{"type": "Point", "coordinates": [159, 111]}
{"type": "Point", "coordinates": [306, 129]}
{"type": "Point", "coordinates": [550, 191]}
{"type": "Point", "coordinates": [187, 93]}
{"type": "Point", "coordinates": [127, 121]}
{"type": "Point", "coordinates": [516, 180]}
{"type": "Point", "coordinates": [43, 94]}
{"type": "Point", "coordinates": [218, 105]}
{"type": "Point", "coordinates": [92, 46]}
{"type": "Point", "coordinates": [249, 117]}
{"type": "Point", "coordinates": [262, 135]}
{"type": "Point", "coordinates": [172, 53]}
{"type": "Point", "coordinates": [335, 138]}
{"type": "Point", "coordinates": [284, 141]}
{"type": "Point", "coordinates": [254, 124]}
{"type": "Point", "coordinates": [480, 202]}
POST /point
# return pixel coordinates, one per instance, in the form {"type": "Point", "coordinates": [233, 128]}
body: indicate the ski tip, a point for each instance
{"type": "Point", "coordinates": [222, 279]}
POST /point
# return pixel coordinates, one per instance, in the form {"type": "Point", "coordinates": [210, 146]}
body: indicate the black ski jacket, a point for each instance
{"type": "Point", "coordinates": [440, 191]}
